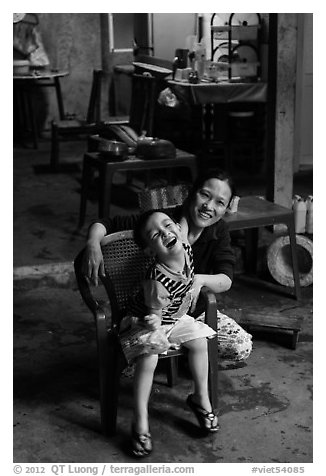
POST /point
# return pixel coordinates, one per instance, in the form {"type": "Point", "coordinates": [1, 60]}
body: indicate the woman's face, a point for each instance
{"type": "Point", "coordinates": [210, 202]}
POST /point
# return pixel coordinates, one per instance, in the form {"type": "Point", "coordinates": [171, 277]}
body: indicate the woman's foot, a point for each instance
{"type": "Point", "coordinates": [207, 419]}
{"type": "Point", "coordinates": [141, 443]}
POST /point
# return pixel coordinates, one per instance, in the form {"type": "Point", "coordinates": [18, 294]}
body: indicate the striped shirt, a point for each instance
{"type": "Point", "coordinates": [166, 289]}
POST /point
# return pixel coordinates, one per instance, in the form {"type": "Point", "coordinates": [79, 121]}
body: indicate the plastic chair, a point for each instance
{"type": "Point", "coordinates": [92, 124]}
{"type": "Point", "coordinates": [125, 266]}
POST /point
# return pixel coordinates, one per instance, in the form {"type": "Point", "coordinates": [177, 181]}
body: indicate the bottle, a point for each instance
{"type": "Point", "coordinates": [234, 204]}
{"type": "Point", "coordinates": [300, 212]}
{"type": "Point", "coordinates": [309, 217]}
{"type": "Point", "coordinates": [201, 67]}
{"type": "Point", "coordinates": [295, 199]}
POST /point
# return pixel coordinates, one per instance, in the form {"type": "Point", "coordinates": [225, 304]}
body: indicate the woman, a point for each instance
{"type": "Point", "coordinates": [202, 216]}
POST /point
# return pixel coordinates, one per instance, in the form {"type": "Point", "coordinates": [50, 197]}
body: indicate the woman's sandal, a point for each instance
{"type": "Point", "coordinates": [141, 444]}
{"type": "Point", "coordinates": [208, 421]}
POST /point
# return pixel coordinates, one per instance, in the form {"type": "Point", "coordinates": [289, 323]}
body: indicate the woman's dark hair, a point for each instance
{"type": "Point", "coordinates": [211, 174]}
{"type": "Point", "coordinates": [139, 238]}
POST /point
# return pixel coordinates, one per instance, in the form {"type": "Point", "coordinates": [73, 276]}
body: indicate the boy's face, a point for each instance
{"type": "Point", "coordinates": [163, 236]}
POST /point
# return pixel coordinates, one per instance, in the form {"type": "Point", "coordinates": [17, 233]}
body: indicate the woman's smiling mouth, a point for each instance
{"type": "Point", "coordinates": [203, 213]}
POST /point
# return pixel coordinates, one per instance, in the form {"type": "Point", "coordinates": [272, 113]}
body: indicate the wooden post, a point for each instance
{"type": "Point", "coordinates": [106, 65]}
{"type": "Point", "coordinates": [281, 105]}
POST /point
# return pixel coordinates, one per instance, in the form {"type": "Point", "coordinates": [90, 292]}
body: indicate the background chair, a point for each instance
{"type": "Point", "coordinates": [125, 266]}
{"type": "Point", "coordinates": [168, 196]}
{"type": "Point", "coordinates": [142, 109]}
{"type": "Point", "coordinates": [92, 124]}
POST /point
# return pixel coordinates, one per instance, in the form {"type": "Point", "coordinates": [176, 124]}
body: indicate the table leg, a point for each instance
{"type": "Point", "coordinates": [59, 98]}
{"type": "Point", "coordinates": [30, 108]}
{"type": "Point", "coordinates": [86, 178]}
{"type": "Point", "coordinates": [251, 237]}
{"type": "Point", "coordinates": [19, 115]}
{"type": "Point", "coordinates": [293, 244]}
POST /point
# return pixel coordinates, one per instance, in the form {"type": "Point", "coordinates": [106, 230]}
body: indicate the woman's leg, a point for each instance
{"type": "Point", "coordinates": [198, 363]}
{"type": "Point", "coordinates": [234, 343]}
{"type": "Point", "coordinates": [143, 380]}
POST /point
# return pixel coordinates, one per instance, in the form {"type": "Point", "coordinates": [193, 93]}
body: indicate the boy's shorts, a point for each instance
{"type": "Point", "coordinates": [138, 341]}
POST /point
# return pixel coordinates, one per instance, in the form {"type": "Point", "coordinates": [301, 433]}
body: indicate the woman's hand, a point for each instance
{"type": "Point", "coordinates": [217, 283]}
{"type": "Point", "coordinates": [93, 264]}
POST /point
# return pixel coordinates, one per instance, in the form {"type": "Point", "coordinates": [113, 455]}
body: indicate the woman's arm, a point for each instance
{"type": "Point", "coordinates": [217, 283]}
{"type": "Point", "coordinates": [93, 265]}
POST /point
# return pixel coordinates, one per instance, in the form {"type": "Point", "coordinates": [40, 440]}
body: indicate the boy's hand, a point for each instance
{"type": "Point", "coordinates": [152, 322]}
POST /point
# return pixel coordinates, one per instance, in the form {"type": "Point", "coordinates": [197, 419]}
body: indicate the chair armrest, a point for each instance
{"type": "Point", "coordinates": [210, 308]}
{"type": "Point", "coordinates": [86, 293]}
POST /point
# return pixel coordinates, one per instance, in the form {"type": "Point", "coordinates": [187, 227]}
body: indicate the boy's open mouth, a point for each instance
{"type": "Point", "coordinates": [170, 243]}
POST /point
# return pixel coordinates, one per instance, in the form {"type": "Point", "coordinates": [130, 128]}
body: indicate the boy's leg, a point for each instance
{"type": "Point", "coordinates": [198, 363]}
{"type": "Point", "coordinates": [143, 380]}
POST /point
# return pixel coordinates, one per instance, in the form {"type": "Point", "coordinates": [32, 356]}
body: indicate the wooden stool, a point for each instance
{"type": "Point", "coordinates": [271, 321]}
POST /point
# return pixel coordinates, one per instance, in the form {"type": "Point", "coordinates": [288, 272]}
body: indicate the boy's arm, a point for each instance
{"type": "Point", "coordinates": [156, 298]}
{"type": "Point", "coordinates": [153, 319]}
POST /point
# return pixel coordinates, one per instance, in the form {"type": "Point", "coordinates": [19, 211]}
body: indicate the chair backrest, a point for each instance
{"type": "Point", "coordinates": [162, 197]}
{"type": "Point", "coordinates": [94, 106]}
{"type": "Point", "coordinates": [125, 265]}
{"type": "Point", "coordinates": [143, 99]}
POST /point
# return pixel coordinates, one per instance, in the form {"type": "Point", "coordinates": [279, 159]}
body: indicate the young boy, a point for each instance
{"type": "Point", "coordinates": [161, 308]}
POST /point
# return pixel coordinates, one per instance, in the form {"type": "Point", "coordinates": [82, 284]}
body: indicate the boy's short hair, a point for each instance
{"type": "Point", "coordinates": [139, 237]}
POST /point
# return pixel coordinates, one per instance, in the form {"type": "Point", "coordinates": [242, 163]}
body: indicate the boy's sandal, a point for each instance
{"type": "Point", "coordinates": [141, 444]}
{"type": "Point", "coordinates": [208, 421]}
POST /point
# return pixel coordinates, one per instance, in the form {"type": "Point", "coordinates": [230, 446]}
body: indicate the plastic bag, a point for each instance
{"type": "Point", "coordinates": [168, 98]}
{"type": "Point", "coordinates": [137, 340]}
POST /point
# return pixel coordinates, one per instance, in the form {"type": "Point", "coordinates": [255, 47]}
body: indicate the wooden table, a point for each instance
{"type": "Point", "coordinates": [213, 107]}
{"type": "Point", "coordinates": [93, 160]}
{"type": "Point", "coordinates": [223, 92]}
{"type": "Point", "coordinates": [254, 213]}
{"type": "Point", "coordinates": [24, 86]}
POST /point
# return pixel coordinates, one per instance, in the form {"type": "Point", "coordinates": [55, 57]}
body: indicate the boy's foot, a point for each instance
{"type": "Point", "coordinates": [141, 443]}
{"type": "Point", "coordinates": [207, 420]}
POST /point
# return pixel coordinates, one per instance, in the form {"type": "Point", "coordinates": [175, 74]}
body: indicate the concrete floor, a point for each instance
{"type": "Point", "coordinates": [265, 403]}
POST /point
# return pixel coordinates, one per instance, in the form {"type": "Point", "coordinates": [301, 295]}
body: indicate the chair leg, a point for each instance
{"type": "Point", "coordinates": [252, 238]}
{"type": "Point", "coordinates": [213, 372]}
{"type": "Point", "coordinates": [295, 338]}
{"type": "Point", "coordinates": [172, 371]}
{"type": "Point", "coordinates": [110, 372]}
